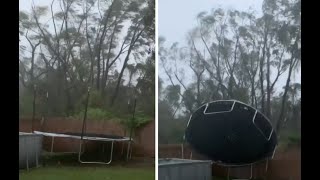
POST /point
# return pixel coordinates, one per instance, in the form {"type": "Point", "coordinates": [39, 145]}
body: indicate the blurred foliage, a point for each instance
{"type": "Point", "coordinates": [87, 52]}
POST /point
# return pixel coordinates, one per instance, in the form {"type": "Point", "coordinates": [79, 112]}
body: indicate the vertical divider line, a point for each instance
{"type": "Point", "coordinates": [156, 89]}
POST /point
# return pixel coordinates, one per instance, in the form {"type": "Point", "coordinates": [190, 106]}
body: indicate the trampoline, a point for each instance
{"type": "Point", "coordinates": [231, 133]}
{"type": "Point", "coordinates": [89, 137]}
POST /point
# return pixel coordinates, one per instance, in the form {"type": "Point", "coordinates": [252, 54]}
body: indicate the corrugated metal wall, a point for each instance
{"type": "Point", "coordinates": [30, 146]}
{"type": "Point", "coordinates": [183, 169]}
{"type": "Point", "coordinates": [285, 165]}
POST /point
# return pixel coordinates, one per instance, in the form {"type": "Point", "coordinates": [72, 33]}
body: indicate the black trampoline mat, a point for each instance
{"type": "Point", "coordinates": [228, 134]}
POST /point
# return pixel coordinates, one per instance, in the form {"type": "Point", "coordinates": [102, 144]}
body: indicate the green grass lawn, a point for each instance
{"type": "Point", "coordinates": [88, 173]}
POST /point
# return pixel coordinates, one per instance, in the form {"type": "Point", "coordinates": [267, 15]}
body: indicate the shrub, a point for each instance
{"type": "Point", "coordinates": [96, 114]}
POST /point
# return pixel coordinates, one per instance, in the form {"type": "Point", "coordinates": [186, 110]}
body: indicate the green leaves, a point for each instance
{"type": "Point", "coordinates": [41, 10]}
{"type": "Point", "coordinates": [59, 15]}
{"type": "Point", "coordinates": [134, 6]}
{"type": "Point", "coordinates": [96, 114]}
{"type": "Point", "coordinates": [23, 16]}
{"type": "Point", "coordinates": [172, 94]}
{"type": "Point", "coordinates": [201, 14]}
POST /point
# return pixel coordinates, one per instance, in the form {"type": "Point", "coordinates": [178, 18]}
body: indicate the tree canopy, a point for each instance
{"type": "Point", "coordinates": [71, 45]}
{"type": "Point", "coordinates": [231, 54]}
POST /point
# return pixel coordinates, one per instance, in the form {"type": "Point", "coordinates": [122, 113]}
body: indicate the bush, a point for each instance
{"type": "Point", "coordinates": [140, 120]}
{"type": "Point", "coordinates": [25, 104]}
{"type": "Point", "coordinates": [95, 114]}
{"type": "Point", "coordinates": [294, 139]}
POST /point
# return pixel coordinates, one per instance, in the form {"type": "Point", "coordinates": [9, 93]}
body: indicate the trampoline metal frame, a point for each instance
{"type": "Point", "coordinates": [80, 152]}
{"type": "Point", "coordinates": [204, 112]}
{"type": "Point", "coordinates": [82, 137]}
{"type": "Point", "coordinates": [94, 162]}
{"type": "Point", "coordinates": [251, 172]}
{"type": "Point", "coordinates": [232, 166]}
{"type": "Point", "coordinates": [234, 101]}
{"type": "Point", "coordinates": [242, 165]}
{"type": "Point", "coordinates": [254, 118]}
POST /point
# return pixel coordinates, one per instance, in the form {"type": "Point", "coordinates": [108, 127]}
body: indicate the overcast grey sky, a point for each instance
{"type": "Point", "coordinates": [177, 17]}
{"type": "Point", "coordinates": [25, 5]}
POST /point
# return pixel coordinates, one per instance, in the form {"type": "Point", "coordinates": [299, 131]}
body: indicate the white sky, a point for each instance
{"type": "Point", "coordinates": [177, 17]}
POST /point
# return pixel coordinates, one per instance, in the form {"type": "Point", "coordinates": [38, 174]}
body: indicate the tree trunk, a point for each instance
{"type": "Point", "coordinates": [284, 97]}
{"type": "Point", "coordinates": [252, 93]}
{"type": "Point", "coordinates": [268, 108]}
{"type": "Point", "coordinates": [103, 71]}
{"type": "Point", "coordinates": [134, 38]}
{"type": "Point", "coordinates": [99, 48]}
{"type": "Point", "coordinates": [98, 73]}
{"type": "Point", "coordinates": [198, 90]}
{"type": "Point", "coordinates": [33, 107]}
{"type": "Point", "coordinates": [105, 76]}
{"type": "Point", "coordinates": [120, 77]}
{"type": "Point", "coordinates": [261, 72]}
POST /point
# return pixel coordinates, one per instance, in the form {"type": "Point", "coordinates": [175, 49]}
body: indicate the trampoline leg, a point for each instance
{"type": "Point", "coordinates": [79, 154]}
{"type": "Point", "coordinates": [274, 152]}
{"type": "Point", "coordinates": [182, 153]}
{"type": "Point", "coordinates": [37, 164]}
{"type": "Point", "coordinates": [52, 141]}
{"type": "Point", "coordinates": [191, 155]}
{"type": "Point", "coordinates": [88, 162]}
{"type": "Point", "coordinates": [122, 148]}
{"type": "Point", "coordinates": [111, 153]}
{"type": "Point", "coordinates": [228, 176]}
{"type": "Point", "coordinates": [27, 155]}
{"type": "Point", "coordinates": [251, 171]}
{"type": "Point", "coordinates": [267, 164]}
{"type": "Point", "coordinates": [130, 152]}
{"type": "Point", "coordinates": [83, 149]}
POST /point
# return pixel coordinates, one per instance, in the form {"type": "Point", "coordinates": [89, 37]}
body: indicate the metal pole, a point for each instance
{"type": "Point", "coordinates": [95, 162]}
{"type": "Point", "coordinates": [80, 151]}
{"type": "Point", "coordinates": [131, 128]}
{"type": "Point", "coordinates": [251, 171]}
{"type": "Point", "coordinates": [84, 119]}
{"type": "Point", "coordinates": [267, 163]}
{"type": "Point", "coordinates": [27, 154]}
{"type": "Point", "coordinates": [33, 107]}
{"type": "Point", "coordinates": [37, 161]}
{"type": "Point", "coordinates": [111, 152]}
{"type": "Point", "coordinates": [85, 114]}
{"type": "Point", "coordinates": [182, 152]}
{"type": "Point", "coordinates": [52, 141]}
{"type": "Point", "coordinates": [130, 153]}
{"type": "Point", "coordinates": [47, 112]}
{"type": "Point", "coordinates": [122, 148]}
